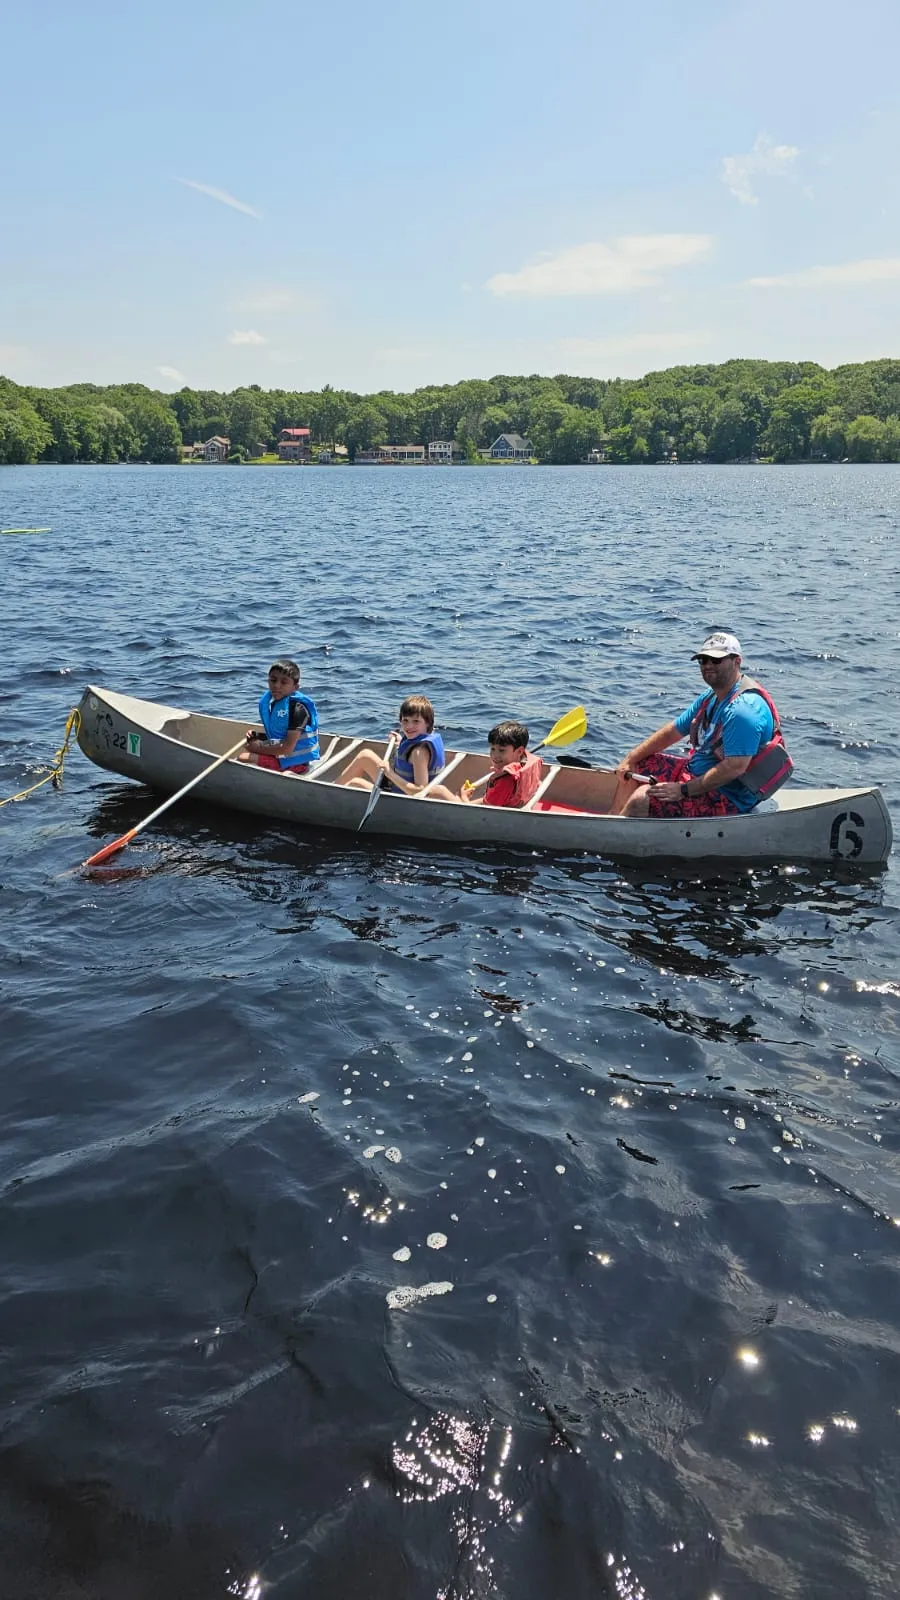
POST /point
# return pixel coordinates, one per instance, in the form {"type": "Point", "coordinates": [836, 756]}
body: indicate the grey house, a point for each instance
{"type": "Point", "coordinates": [509, 447]}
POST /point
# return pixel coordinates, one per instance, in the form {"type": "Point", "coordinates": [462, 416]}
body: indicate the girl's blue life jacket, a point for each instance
{"type": "Point", "coordinates": [275, 717]}
{"type": "Point", "coordinates": [771, 766]}
{"type": "Point", "coordinates": [403, 766]}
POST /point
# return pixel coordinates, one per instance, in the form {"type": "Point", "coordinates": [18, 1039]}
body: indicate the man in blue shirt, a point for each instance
{"type": "Point", "coordinates": [728, 729]}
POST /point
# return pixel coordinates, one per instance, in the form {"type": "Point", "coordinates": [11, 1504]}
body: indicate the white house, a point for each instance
{"type": "Point", "coordinates": [441, 451]}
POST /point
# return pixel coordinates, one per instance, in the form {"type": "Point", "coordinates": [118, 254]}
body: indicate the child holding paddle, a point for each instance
{"type": "Point", "coordinates": [516, 771]}
{"type": "Point", "coordinates": [413, 757]}
{"type": "Point", "coordinates": [289, 737]}
{"type": "Point", "coordinates": [514, 776]}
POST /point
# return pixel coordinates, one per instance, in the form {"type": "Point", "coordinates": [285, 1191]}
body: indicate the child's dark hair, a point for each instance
{"type": "Point", "coordinates": [289, 668]}
{"type": "Point", "coordinates": [514, 733]}
{"type": "Point", "coordinates": [418, 705]}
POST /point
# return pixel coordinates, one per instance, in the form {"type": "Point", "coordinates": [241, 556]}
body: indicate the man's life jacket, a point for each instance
{"type": "Point", "coordinates": [771, 766]}
{"type": "Point", "coordinates": [403, 766]}
{"type": "Point", "coordinates": [275, 718]}
{"type": "Point", "coordinates": [515, 784]}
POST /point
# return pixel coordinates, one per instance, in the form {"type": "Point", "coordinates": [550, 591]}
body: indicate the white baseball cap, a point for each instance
{"type": "Point", "coordinates": [719, 645]}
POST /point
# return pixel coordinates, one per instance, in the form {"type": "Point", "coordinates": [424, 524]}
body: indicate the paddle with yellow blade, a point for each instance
{"type": "Point", "coordinates": [126, 838]}
{"type": "Point", "coordinates": [567, 730]}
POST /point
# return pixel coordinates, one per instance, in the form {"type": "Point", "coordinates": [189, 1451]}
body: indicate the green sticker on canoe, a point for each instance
{"type": "Point", "coordinates": [134, 745]}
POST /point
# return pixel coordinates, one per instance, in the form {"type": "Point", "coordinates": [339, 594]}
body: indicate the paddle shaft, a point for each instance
{"type": "Point", "coordinates": [587, 766]}
{"type": "Point", "coordinates": [378, 785]}
{"type": "Point", "coordinates": [126, 838]}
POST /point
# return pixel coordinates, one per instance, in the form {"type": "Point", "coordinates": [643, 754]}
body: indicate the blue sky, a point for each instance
{"type": "Point", "coordinates": [384, 198]}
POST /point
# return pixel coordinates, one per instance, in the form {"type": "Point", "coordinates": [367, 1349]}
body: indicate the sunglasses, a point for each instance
{"type": "Point", "coordinates": [712, 661]}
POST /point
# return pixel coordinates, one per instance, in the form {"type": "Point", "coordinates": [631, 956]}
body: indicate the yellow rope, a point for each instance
{"type": "Point", "coordinates": [55, 775]}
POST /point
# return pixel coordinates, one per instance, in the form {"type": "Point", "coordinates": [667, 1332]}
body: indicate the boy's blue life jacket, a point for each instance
{"type": "Point", "coordinates": [402, 764]}
{"type": "Point", "coordinates": [275, 718]}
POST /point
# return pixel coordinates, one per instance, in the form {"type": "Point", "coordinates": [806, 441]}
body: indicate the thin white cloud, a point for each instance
{"type": "Point", "coordinates": [765, 160]}
{"type": "Point", "coordinates": [267, 299]}
{"type": "Point", "coordinates": [172, 373]}
{"type": "Point", "coordinates": [221, 195]}
{"type": "Point", "coordinates": [246, 336]}
{"type": "Point", "coordinates": [614, 347]}
{"type": "Point", "coordinates": [617, 266]}
{"type": "Point", "coordinates": [850, 275]}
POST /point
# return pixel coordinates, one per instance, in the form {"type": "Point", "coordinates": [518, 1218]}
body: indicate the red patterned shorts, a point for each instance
{"type": "Point", "coordinates": [673, 769]}
{"type": "Point", "coordinates": [274, 765]}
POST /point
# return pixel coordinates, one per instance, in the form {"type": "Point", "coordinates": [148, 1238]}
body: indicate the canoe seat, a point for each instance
{"type": "Point", "coordinates": [570, 811]}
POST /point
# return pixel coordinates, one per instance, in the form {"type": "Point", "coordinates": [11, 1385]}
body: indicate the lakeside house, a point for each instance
{"type": "Point", "coordinates": [326, 457]}
{"type": "Point", "coordinates": [392, 454]}
{"type": "Point", "coordinates": [597, 457]}
{"type": "Point", "coordinates": [217, 448]}
{"type": "Point", "coordinates": [509, 447]}
{"type": "Point", "coordinates": [295, 444]}
{"type": "Point", "coordinates": [442, 451]}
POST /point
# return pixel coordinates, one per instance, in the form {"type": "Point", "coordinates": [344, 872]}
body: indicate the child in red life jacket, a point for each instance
{"type": "Point", "coordinates": [514, 776]}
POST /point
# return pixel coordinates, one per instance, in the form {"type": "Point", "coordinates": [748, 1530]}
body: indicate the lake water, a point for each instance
{"type": "Point", "coordinates": [636, 1131]}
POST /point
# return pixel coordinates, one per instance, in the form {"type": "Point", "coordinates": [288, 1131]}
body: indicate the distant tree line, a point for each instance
{"type": "Point", "coordinates": [738, 411]}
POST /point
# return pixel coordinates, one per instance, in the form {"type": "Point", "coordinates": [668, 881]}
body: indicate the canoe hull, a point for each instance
{"type": "Point", "coordinates": [165, 747]}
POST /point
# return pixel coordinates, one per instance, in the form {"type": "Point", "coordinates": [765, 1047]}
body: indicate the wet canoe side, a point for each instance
{"type": "Point", "coordinates": [165, 746]}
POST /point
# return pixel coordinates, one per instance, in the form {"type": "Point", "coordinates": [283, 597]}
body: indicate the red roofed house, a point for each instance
{"type": "Point", "coordinates": [294, 444]}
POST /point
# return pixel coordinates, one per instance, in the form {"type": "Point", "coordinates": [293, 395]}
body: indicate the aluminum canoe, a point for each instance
{"type": "Point", "coordinates": [165, 746]}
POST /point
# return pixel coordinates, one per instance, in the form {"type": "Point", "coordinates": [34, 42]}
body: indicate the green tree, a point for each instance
{"type": "Point", "coordinates": [548, 415]}
{"type": "Point", "coordinates": [58, 412]}
{"type": "Point", "coordinates": [734, 433]}
{"type": "Point", "coordinates": [24, 435]}
{"type": "Point", "coordinates": [156, 431]}
{"type": "Point", "coordinates": [495, 420]}
{"type": "Point", "coordinates": [890, 447]}
{"type": "Point", "coordinates": [865, 439]}
{"type": "Point", "coordinates": [190, 413]}
{"type": "Point", "coordinates": [793, 414]}
{"type": "Point", "coordinates": [329, 415]}
{"type": "Point", "coordinates": [249, 425]}
{"type": "Point", "coordinates": [828, 435]}
{"type": "Point", "coordinates": [118, 440]}
{"type": "Point", "coordinates": [627, 445]}
{"type": "Point", "coordinates": [365, 426]}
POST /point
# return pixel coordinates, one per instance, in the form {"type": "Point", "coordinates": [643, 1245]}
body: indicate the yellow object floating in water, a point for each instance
{"type": "Point", "coordinates": [26, 530]}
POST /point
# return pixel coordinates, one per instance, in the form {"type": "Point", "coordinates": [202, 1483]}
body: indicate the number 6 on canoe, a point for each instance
{"type": "Point", "coordinates": [567, 730]}
{"type": "Point", "coordinates": [126, 838]}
